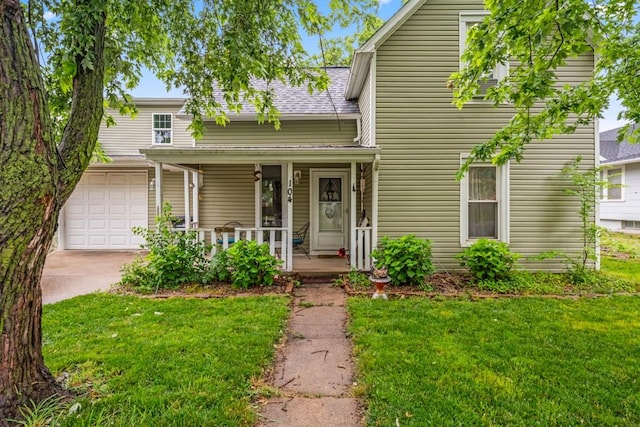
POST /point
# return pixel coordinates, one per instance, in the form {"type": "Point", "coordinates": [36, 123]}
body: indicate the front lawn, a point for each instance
{"type": "Point", "coordinates": [621, 256]}
{"type": "Point", "coordinates": [522, 361]}
{"type": "Point", "coordinates": [148, 362]}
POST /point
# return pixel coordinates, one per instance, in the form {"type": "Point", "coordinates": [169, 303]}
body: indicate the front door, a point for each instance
{"type": "Point", "coordinates": [329, 210]}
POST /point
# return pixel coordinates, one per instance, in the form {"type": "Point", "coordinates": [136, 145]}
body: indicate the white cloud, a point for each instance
{"type": "Point", "coordinates": [48, 16]}
{"type": "Point", "coordinates": [383, 2]}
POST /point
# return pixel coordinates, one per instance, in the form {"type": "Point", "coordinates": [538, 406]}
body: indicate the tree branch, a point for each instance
{"type": "Point", "coordinates": [81, 132]}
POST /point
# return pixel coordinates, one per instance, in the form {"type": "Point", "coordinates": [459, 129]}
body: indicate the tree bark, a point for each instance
{"type": "Point", "coordinates": [35, 180]}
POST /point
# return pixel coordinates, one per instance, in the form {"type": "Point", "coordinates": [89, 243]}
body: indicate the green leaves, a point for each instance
{"type": "Point", "coordinates": [539, 40]}
{"type": "Point", "coordinates": [488, 260]}
{"type": "Point", "coordinates": [408, 259]}
{"type": "Point", "coordinates": [251, 264]}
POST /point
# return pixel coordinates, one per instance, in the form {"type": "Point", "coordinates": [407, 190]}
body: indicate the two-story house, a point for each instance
{"type": "Point", "coordinates": [375, 155]}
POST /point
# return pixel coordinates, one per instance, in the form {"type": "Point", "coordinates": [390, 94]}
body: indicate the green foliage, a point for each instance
{"type": "Point", "coordinates": [251, 264]}
{"type": "Point", "coordinates": [490, 262]}
{"type": "Point", "coordinates": [220, 267]}
{"type": "Point", "coordinates": [538, 38]}
{"type": "Point", "coordinates": [357, 280]}
{"type": "Point", "coordinates": [586, 186]}
{"type": "Point", "coordinates": [175, 257]}
{"type": "Point", "coordinates": [47, 412]}
{"type": "Point", "coordinates": [621, 245]}
{"type": "Point", "coordinates": [407, 259]}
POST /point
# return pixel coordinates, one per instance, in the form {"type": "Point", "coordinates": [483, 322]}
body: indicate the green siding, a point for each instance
{"type": "Point", "coordinates": [131, 134]}
{"type": "Point", "coordinates": [422, 135]}
{"type": "Point", "coordinates": [304, 132]}
{"type": "Point", "coordinates": [364, 103]}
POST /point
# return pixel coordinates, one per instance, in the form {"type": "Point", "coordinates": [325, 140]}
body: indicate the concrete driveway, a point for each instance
{"type": "Point", "coordinates": [71, 273]}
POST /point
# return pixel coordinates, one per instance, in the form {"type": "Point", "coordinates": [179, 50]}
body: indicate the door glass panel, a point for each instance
{"type": "Point", "coordinates": [272, 196]}
{"type": "Point", "coordinates": [330, 204]}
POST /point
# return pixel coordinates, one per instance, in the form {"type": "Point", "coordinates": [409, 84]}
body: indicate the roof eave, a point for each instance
{"type": "Point", "coordinates": [248, 155]}
{"type": "Point", "coordinates": [252, 117]}
{"type": "Point", "coordinates": [357, 74]}
{"type": "Point", "coordinates": [362, 56]}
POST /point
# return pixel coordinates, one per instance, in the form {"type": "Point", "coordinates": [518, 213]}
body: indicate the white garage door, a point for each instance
{"type": "Point", "coordinates": [103, 208]}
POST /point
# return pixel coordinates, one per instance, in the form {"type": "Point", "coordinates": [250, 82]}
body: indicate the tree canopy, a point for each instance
{"type": "Point", "coordinates": [538, 37]}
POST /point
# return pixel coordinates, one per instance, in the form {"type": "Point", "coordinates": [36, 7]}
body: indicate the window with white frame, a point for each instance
{"type": "Point", "coordinates": [614, 184]}
{"type": "Point", "coordinates": [162, 132]}
{"type": "Point", "coordinates": [484, 204]}
{"type": "Point", "coordinates": [467, 20]}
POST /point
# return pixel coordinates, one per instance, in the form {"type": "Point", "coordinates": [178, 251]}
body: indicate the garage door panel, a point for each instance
{"type": "Point", "coordinates": [103, 208]}
{"type": "Point", "coordinates": [118, 209]}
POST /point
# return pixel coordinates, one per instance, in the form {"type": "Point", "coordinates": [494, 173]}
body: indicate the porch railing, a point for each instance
{"type": "Point", "coordinates": [274, 237]}
{"type": "Point", "coordinates": [363, 248]}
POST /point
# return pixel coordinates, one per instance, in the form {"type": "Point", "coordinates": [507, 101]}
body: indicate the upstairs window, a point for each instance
{"type": "Point", "coordinates": [468, 19]}
{"type": "Point", "coordinates": [614, 178]}
{"type": "Point", "coordinates": [484, 204]}
{"type": "Point", "coordinates": [162, 132]}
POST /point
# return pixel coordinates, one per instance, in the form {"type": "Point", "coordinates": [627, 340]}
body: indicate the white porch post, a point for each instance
{"type": "Point", "coordinates": [374, 201]}
{"type": "Point", "coordinates": [289, 216]}
{"type": "Point", "coordinates": [258, 195]}
{"type": "Point", "coordinates": [187, 214]}
{"type": "Point", "coordinates": [158, 178]}
{"type": "Point", "coordinates": [353, 256]}
{"type": "Point", "coordinates": [195, 196]}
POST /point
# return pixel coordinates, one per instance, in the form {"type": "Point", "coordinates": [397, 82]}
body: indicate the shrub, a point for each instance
{"type": "Point", "coordinates": [251, 264]}
{"type": "Point", "coordinates": [408, 259]}
{"type": "Point", "coordinates": [219, 268]}
{"type": "Point", "coordinates": [174, 258]}
{"type": "Point", "coordinates": [488, 260]}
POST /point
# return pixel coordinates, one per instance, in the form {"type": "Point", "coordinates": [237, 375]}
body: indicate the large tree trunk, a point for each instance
{"type": "Point", "coordinates": [36, 177]}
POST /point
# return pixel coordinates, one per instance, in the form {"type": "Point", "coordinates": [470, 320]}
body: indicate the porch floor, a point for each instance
{"type": "Point", "coordinates": [320, 264]}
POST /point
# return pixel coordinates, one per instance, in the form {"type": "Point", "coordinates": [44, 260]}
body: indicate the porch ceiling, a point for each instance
{"type": "Point", "coordinates": [227, 155]}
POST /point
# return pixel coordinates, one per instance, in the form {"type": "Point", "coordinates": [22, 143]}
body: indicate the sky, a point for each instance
{"type": "Point", "coordinates": [151, 87]}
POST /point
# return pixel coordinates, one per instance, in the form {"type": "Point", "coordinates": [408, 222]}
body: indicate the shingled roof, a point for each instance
{"type": "Point", "coordinates": [296, 101]}
{"type": "Point", "coordinates": [614, 152]}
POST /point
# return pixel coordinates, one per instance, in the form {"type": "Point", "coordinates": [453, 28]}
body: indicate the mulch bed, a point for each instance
{"type": "Point", "coordinates": [281, 286]}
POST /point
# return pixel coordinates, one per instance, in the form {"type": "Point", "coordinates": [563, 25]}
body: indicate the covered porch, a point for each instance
{"type": "Point", "coordinates": [271, 194]}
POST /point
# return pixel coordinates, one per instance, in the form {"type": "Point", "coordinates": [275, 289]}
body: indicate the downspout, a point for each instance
{"type": "Point", "coordinates": [359, 127]}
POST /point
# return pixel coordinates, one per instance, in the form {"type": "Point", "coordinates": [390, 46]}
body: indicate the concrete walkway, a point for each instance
{"type": "Point", "coordinates": [70, 273]}
{"type": "Point", "coordinates": [314, 371]}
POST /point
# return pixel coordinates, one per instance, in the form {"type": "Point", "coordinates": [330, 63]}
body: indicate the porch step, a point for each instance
{"type": "Point", "coordinates": [311, 277]}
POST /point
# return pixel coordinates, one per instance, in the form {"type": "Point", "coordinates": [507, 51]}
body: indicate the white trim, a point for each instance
{"type": "Point", "coordinates": [187, 201]}
{"type": "Point", "coordinates": [62, 229]}
{"type": "Point", "coordinates": [251, 117]}
{"type": "Point", "coordinates": [502, 199]}
{"type": "Point", "coordinates": [374, 200]}
{"type": "Point", "coordinates": [352, 216]}
{"type": "Point", "coordinates": [372, 100]}
{"type": "Point", "coordinates": [475, 16]}
{"type": "Point", "coordinates": [360, 59]}
{"type": "Point", "coordinates": [390, 27]}
{"type": "Point", "coordinates": [154, 129]}
{"type": "Point", "coordinates": [195, 179]}
{"type": "Point", "coordinates": [158, 178]}
{"type": "Point", "coordinates": [605, 191]}
{"type": "Point", "coordinates": [314, 174]}
{"type": "Point", "coordinates": [289, 196]}
{"type": "Point", "coordinates": [257, 189]}
{"type": "Point", "coordinates": [620, 162]}
{"type": "Point", "coordinates": [597, 159]}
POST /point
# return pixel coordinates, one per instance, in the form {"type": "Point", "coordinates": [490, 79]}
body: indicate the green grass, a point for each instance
{"type": "Point", "coordinates": [516, 362]}
{"type": "Point", "coordinates": [621, 256]}
{"type": "Point", "coordinates": [146, 362]}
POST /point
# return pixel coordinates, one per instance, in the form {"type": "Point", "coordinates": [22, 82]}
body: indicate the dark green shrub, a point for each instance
{"type": "Point", "coordinates": [408, 259]}
{"type": "Point", "coordinates": [251, 264]}
{"type": "Point", "coordinates": [488, 260]}
{"type": "Point", "coordinates": [174, 258]}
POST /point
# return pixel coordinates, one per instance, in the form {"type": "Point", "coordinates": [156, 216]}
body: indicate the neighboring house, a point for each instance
{"type": "Point", "coordinates": [620, 203]}
{"type": "Point", "coordinates": [374, 156]}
